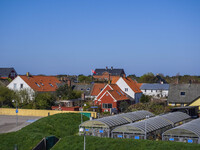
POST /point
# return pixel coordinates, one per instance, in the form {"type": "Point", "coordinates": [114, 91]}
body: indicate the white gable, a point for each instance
{"type": "Point", "coordinates": [123, 85]}
{"type": "Point", "coordinates": [19, 84]}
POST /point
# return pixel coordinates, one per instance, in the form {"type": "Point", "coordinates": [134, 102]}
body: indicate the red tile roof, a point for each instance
{"type": "Point", "coordinates": [115, 79]}
{"type": "Point", "coordinates": [117, 93]}
{"type": "Point", "coordinates": [42, 83]}
{"type": "Point", "coordinates": [97, 87]}
{"type": "Point", "coordinates": [133, 85]}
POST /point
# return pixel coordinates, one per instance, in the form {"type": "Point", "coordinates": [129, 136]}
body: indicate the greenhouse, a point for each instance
{"type": "Point", "coordinates": [188, 132]}
{"type": "Point", "coordinates": [151, 128]}
{"type": "Point", "coordinates": [102, 127]}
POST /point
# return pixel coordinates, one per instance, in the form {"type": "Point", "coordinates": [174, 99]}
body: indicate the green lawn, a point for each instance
{"type": "Point", "coordinates": [65, 126]}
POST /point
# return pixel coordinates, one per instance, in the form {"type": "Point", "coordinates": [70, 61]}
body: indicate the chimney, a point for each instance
{"type": "Point", "coordinates": [69, 83]}
{"type": "Point", "coordinates": [83, 96]}
{"type": "Point", "coordinates": [28, 74]}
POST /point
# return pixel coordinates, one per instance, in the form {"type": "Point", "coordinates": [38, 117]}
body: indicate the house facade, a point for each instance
{"type": "Point", "coordinates": [34, 84]}
{"type": "Point", "coordinates": [110, 98]}
{"type": "Point", "coordinates": [155, 90]}
{"type": "Point", "coordinates": [130, 87]}
{"type": "Point", "coordinates": [183, 94]}
{"type": "Point", "coordinates": [8, 73]}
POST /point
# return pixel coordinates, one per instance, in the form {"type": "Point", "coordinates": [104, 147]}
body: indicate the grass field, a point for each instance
{"type": "Point", "coordinates": [65, 126]}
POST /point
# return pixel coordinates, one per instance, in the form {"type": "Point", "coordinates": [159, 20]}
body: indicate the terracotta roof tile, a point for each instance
{"type": "Point", "coordinates": [117, 93]}
{"type": "Point", "coordinates": [115, 79]}
{"type": "Point", "coordinates": [133, 85]}
{"type": "Point", "coordinates": [97, 87]}
{"type": "Point", "coordinates": [41, 83]}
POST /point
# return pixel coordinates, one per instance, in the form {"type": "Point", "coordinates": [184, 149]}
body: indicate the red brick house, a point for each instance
{"type": "Point", "coordinates": [111, 97]}
{"type": "Point", "coordinates": [108, 74]}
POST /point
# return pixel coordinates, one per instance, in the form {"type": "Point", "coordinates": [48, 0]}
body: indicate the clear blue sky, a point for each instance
{"type": "Point", "coordinates": [74, 36]}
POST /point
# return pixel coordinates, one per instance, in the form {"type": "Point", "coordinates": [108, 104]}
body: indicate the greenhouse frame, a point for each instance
{"type": "Point", "coordinates": [188, 132]}
{"type": "Point", "coordinates": [102, 127]}
{"type": "Point", "coordinates": [151, 128]}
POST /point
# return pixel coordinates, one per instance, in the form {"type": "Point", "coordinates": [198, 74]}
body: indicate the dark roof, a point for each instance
{"type": "Point", "coordinates": [113, 72]}
{"type": "Point", "coordinates": [154, 86]}
{"type": "Point", "coordinates": [85, 88]}
{"type": "Point", "coordinates": [192, 91]}
{"type": "Point", "coordinates": [5, 72]}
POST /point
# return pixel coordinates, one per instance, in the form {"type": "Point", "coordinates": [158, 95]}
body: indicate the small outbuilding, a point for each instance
{"type": "Point", "coordinates": [102, 127]}
{"type": "Point", "coordinates": [151, 128]}
{"type": "Point", "coordinates": [188, 132]}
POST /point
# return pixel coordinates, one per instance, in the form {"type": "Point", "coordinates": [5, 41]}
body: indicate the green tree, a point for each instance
{"type": "Point", "coordinates": [123, 106]}
{"type": "Point", "coordinates": [6, 97]}
{"type": "Point", "coordinates": [145, 98]}
{"type": "Point", "coordinates": [65, 92]}
{"type": "Point", "coordinates": [84, 79]}
{"type": "Point", "coordinates": [148, 78]}
{"type": "Point", "coordinates": [44, 100]}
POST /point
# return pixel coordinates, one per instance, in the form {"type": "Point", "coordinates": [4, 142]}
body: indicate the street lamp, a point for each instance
{"type": "Point", "coordinates": [16, 112]}
{"type": "Point", "coordinates": [83, 130]}
{"type": "Point", "coordinates": [147, 117]}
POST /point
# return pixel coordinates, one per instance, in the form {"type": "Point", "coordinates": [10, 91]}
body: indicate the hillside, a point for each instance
{"type": "Point", "coordinates": [65, 126]}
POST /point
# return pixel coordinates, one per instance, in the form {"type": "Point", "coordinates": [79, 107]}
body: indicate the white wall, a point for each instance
{"type": "Point", "coordinates": [155, 93]}
{"type": "Point", "coordinates": [18, 81]}
{"type": "Point", "coordinates": [122, 84]}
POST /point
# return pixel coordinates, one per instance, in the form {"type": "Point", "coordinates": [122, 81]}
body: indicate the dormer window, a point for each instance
{"type": "Point", "coordinates": [51, 84]}
{"type": "Point", "coordinates": [37, 84]}
{"type": "Point", "coordinates": [126, 89]}
{"type": "Point", "coordinates": [88, 89]}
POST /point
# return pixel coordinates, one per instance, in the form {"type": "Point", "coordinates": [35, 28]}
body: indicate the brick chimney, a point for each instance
{"type": "Point", "coordinates": [83, 96]}
{"type": "Point", "coordinates": [69, 83]}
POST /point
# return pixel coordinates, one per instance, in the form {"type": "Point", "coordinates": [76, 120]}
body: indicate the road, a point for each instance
{"type": "Point", "coordinates": [8, 123]}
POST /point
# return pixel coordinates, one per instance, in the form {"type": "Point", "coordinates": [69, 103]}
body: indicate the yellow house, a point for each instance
{"type": "Point", "coordinates": [195, 102]}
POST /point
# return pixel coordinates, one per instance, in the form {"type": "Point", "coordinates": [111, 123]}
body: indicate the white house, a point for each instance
{"type": "Point", "coordinates": [34, 84]}
{"type": "Point", "coordinates": [130, 87]}
{"type": "Point", "coordinates": [155, 89]}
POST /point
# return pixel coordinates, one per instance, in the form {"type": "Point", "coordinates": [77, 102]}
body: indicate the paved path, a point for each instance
{"type": "Point", "coordinates": [8, 123]}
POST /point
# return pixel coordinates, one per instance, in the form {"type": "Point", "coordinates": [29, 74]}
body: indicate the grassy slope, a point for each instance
{"type": "Point", "coordinates": [60, 125]}
{"type": "Point", "coordinates": [65, 126]}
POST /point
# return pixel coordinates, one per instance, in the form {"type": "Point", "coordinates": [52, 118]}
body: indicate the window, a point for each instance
{"type": "Point", "coordinates": [118, 93]}
{"type": "Point", "coordinates": [107, 105]}
{"type": "Point", "coordinates": [41, 83]}
{"type": "Point", "coordinates": [21, 86]}
{"type": "Point", "coordinates": [81, 89]}
{"type": "Point", "coordinates": [151, 90]}
{"type": "Point", "coordinates": [15, 86]}
{"type": "Point", "coordinates": [122, 92]}
{"type": "Point", "coordinates": [145, 90]}
{"type": "Point", "coordinates": [51, 84]}
{"type": "Point", "coordinates": [37, 84]}
{"type": "Point", "coordinates": [126, 89]}
{"type": "Point", "coordinates": [182, 93]}
{"type": "Point", "coordinates": [88, 89]}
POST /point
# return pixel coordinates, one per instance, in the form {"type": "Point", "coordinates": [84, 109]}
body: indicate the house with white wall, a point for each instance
{"type": "Point", "coordinates": [34, 84]}
{"type": "Point", "coordinates": [130, 87]}
{"type": "Point", "coordinates": [155, 89]}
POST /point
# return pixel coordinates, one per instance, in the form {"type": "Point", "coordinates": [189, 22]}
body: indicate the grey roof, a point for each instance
{"type": "Point", "coordinates": [192, 91]}
{"type": "Point", "coordinates": [153, 124]}
{"type": "Point", "coordinates": [176, 117]}
{"type": "Point", "coordinates": [86, 88]}
{"type": "Point", "coordinates": [185, 129]}
{"type": "Point", "coordinates": [5, 72]}
{"type": "Point", "coordinates": [136, 115]}
{"type": "Point", "coordinates": [154, 86]}
{"type": "Point", "coordinates": [113, 72]}
{"type": "Point", "coordinates": [117, 120]}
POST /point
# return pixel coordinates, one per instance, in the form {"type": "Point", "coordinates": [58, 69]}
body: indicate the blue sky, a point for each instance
{"type": "Point", "coordinates": [74, 36]}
